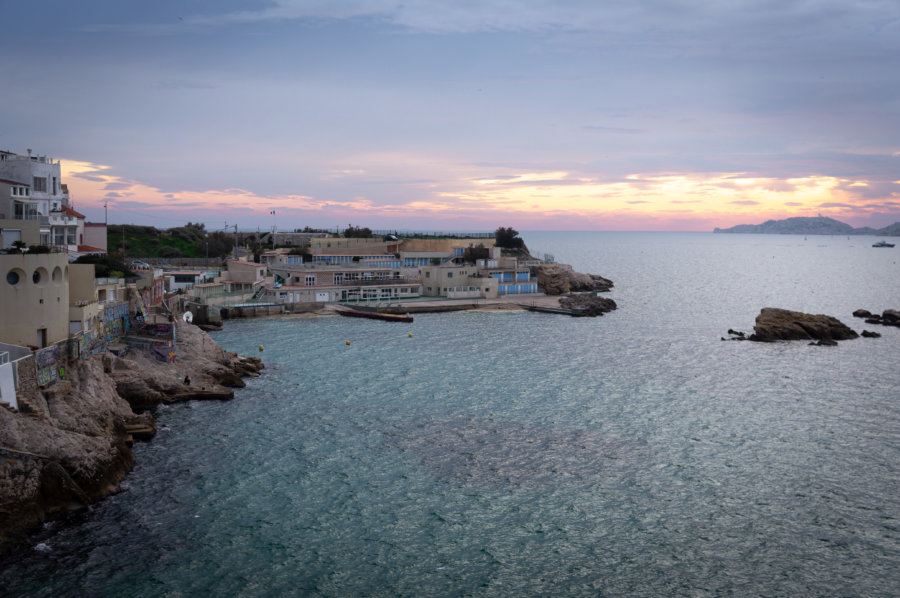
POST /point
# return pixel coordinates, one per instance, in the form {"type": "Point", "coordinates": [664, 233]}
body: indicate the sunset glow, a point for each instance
{"type": "Point", "coordinates": [561, 115]}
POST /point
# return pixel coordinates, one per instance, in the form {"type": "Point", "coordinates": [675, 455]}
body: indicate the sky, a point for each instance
{"type": "Point", "coordinates": [460, 115]}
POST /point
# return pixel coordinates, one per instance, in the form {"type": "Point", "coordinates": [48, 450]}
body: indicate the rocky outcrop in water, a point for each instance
{"type": "Point", "coordinates": [889, 317]}
{"type": "Point", "coordinates": [559, 279]}
{"type": "Point", "coordinates": [588, 304]}
{"type": "Point", "coordinates": [774, 324]}
{"type": "Point", "coordinates": [69, 445]}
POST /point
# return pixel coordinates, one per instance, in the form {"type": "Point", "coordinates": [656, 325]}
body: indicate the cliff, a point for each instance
{"type": "Point", "coordinates": [72, 446]}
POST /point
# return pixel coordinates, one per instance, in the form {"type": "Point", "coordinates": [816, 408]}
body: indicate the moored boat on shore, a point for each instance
{"type": "Point", "coordinates": [374, 315]}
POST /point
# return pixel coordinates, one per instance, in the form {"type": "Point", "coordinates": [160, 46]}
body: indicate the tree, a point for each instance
{"type": "Point", "coordinates": [508, 238]}
{"type": "Point", "coordinates": [106, 265]}
{"type": "Point", "coordinates": [356, 232]}
{"type": "Point", "coordinates": [472, 254]}
{"type": "Point", "coordinates": [19, 246]}
{"type": "Point", "coordinates": [220, 244]}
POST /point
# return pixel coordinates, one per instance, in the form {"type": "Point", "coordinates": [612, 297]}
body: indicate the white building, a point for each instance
{"type": "Point", "coordinates": [46, 193]}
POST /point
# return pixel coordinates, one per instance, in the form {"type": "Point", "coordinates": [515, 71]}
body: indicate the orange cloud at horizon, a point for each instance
{"type": "Point", "coordinates": [549, 200]}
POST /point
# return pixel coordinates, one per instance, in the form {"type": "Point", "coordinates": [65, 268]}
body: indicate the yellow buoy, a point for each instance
{"type": "Point", "coordinates": [260, 347]}
{"type": "Point", "coordinates": [410, 335]}
{"type": "Point", "coordinates": [348, 342]}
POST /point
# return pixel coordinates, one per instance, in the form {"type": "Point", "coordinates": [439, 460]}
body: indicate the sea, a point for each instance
{"type": "Point", "coordinates": [511, 453]}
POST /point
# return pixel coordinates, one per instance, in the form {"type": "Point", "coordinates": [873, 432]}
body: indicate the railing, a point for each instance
{"type": "Point", "coordinates": [358, 283]}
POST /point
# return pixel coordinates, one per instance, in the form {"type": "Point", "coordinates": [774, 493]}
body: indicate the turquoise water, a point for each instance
{"type": "Point", "coordinates": [519, 454]}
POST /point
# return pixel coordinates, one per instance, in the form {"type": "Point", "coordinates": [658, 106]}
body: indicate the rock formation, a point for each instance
{"type": "Point", "coordinates": [71, 445]}
{"type": "Point", "coordinates": [559, 279]}
{"type": "Point", "coordinates": [889, 317]}
{"type": "Point", "coordinates": [773, 324]}
{"type": "Point", "coordinates": [203, 370]}
{"type": "Point", "coordinates": [588, 304]}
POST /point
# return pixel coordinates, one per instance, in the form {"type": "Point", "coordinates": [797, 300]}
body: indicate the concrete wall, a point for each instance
{"type": "Point", "coordinates": [28, 231]}
{"type": "Point", "coordinates": [245, 271]}
{"type": "Point", "coordinates": [34, 293]}
{"type": "Point", "coordinates": [81, 283]}
{"type": "Point", "coordinates": [442, 245]}
{"type": "Point", "coordinates": [95, 235]}
{"type": "Point", "coordinates": [339, 246]}
{"type": "Point", "coordinates": [8, 384]}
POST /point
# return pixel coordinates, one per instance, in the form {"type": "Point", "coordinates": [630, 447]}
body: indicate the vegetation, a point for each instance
{"type": "Point", "coordinates": [107, 265]}
{"type": "Point", "coordinates": [190, 240]}
{"type": "Point", "coordinates": [356, 232]}
{"type": "Point", "coordinates": [508, 238]}
{"type": "Point", "coordinates": [473, 254]}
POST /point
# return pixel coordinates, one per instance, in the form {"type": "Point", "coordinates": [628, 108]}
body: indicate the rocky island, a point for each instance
{"type": "Point", "coordinates": [810, 226]}
{"type": "Point", "coordinates": [71, 444]}
{"type": "Point", "coordinates": [774, 324]}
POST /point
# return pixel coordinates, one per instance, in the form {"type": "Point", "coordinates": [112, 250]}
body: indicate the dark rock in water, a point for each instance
{"type": "Point", "coordinates": [862, 313]}
{"type": "Point", "coordinates": [870, 334]}
{"type": "Point", "coordinates": [890, 317]}
{"type": "Point", "coordinates": [874, 320]}
{"type": "Point", "coordinates": [588, 305]}
{"type": "Point", "coordinates": [773, 324]}
{"type": "Point", "coordinates": [825, 343]}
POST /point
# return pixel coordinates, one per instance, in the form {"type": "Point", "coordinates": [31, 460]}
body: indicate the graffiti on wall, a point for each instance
{"type": "Point", "coordinates": [47, 356]}
{"type": "Point", "coordinates": [50, 363]}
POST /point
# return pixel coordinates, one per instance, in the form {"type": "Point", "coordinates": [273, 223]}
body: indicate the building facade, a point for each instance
{"type": "Point", "coordinates": [34, 293]}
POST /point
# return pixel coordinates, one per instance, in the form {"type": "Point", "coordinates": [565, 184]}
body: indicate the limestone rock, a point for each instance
{"type": "Point", "coordinates": [588, 304]}
{"type": "Point", "coordinates": [71, 447]}
{"type": "Point", "coordinates": [559, 279]}
{"type": "Point", "coordinates": [202, 370]}
{"type": "Point", "coordinates": [773, 324]}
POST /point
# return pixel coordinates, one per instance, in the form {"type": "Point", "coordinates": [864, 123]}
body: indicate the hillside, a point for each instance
{"type": "Point", "coordinates": [191, 240]}
{"type": "Point", "coordinates": [810, 226]}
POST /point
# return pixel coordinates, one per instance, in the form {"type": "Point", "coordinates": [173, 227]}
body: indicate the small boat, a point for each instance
{"type": "Point", "coordinates": [882, 244]}
{"type": "Point", "coordinates": [374, 315]}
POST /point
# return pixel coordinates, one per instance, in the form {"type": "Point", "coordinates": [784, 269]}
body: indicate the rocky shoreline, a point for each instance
{"type": "Point", "coordinates": [70, 445]}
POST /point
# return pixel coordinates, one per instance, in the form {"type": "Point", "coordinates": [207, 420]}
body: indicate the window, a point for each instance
{"type": "Point", "coordinates": [39, 183]}
{"type": "Point", "coordinates": [449, 274]}
{"type": "Point", "coordinates": [55, 186]}
{"type": "Point", "coordinates": [12, 277]}
{"type": "Point", "coordinates": [310, 280]}
{"type": "Point", "coordinates": [338, 277]}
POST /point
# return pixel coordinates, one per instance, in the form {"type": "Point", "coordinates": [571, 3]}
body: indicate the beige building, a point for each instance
{"type": "Point", "coordinates": [34, 293]}
{"type": "Point", "coordinates": [457, 282]}
{"type": "Point", "coordinates": [324, 284]}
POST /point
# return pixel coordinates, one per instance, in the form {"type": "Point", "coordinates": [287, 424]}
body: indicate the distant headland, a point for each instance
{"type": "Point", "coordinates": [819, 225]}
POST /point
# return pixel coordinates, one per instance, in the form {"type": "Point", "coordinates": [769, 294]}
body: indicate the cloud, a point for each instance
{"type": "Point", "coordinates": [621, 130]}
{"type": "Point", "coordinates": [745, 202]}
